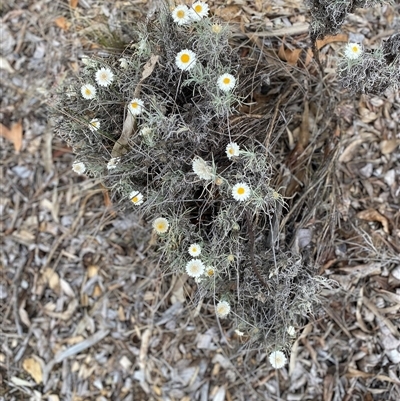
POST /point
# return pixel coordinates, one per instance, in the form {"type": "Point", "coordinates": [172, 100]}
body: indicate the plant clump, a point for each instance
{"type": "Point", "coordinates": [360, 71]}
{"type": "Point", "coordinates": [371, 72]}
{"type": "Point", "coordinates": [155, 124]}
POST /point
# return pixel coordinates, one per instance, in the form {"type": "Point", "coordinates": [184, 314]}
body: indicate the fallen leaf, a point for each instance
{"type": "Point", "coordinates": [120, 147]}
{"type": "Point", "coordinates": [23, 314]}
{"type": "Point", "coordinates": [33, 367]}
{"type": "Point", "coordinates": [148, 68]}
{"type": "Point", "coordinates": [348, 154]}
{"type": "Point", "coordinates": [367, 116]}
{"type": "Point", "coordinates": [388, 146]}
{"type": "Point", "coordinates": [342, 37]}
{"type": "Point", "coordinates": [291, 56]}
{"type": "Point", "coordinates": [73, 3]}
{"type": "Point", "coordinates": [14, 134]}
{"type": "Point", "coordinates": [373, 215]}
{"type": "Point", "coordinates": [62, 23]}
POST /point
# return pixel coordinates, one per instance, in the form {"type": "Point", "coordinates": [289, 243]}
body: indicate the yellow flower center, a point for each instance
{"type": "Point", "coordinates": [355, 49]}
{"type": "Point", "coordinates": [210, 272]}
{"type": "Point", "coordinates": [180, 14]}
{"type": "Point", "coordinates": [134, 105]}
{"type": "Point", "coordinates": [88, 91]}
{"type": "Point", "coordinates": [198, 8]}
{"type": "Point", "coordinates": [135, 199]}
{"type": "Point", "coordinates": [103, 76]}
{"type": "Point", "coordinates": [226, 81]}
{"type": "Point", "coordinates": [231, 151]}
{"type": "Point", "coordinates": [185, 58]}
{"type": "Point", "coordinates": [160, 227]}
{"type": "Point", "coordinates": [241, 191]}
{"type": "Point", "coordinates": [194, 249]}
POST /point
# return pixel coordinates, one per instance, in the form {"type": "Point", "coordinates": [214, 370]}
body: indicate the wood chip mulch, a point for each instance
{"type": "Point", "coordinates": [84, 316]}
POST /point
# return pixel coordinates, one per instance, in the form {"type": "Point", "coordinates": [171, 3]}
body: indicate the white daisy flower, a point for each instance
{"type": "Point", "coordinates": [123, 63]}
{"type": "Point", "coordinates": [112, 163]}
{"type": "Point", "coordinates": [353, 51]}
{"type": "Point", "coordinates": [241, 192]}
{"type": "Point", "coordinates": [136, 197]}
{"type": "Point", "coordinates": [195, 268]}
{"type": "Point", "coordinates": [88, 91]}
{"type": "Point", "coordinates": [216, 28]}
{"type": "Point", "coordinates": [181, 15]}
{"type": "Point", "coordinates": [291, 331]}
{"type": "Point", "coordinates": [79, 167]}
{"type": "Point", "coordinates": [277, 359]}
{"type": "Point", "coordinates": [226, 82]}
{"type": "Point", "coordinates": [232, 149]}
{"type": "Point", "coordinates": [202, 169]}
{"type": "Point", "coordinates": [104, 76]}
{"type": "Point", "coordinates": [199, 10]}
{"type": "Point", "coordinates": [194, 250]}
{"type": "Point", "coordinates": [218, 181]}
{"type": "Point", "coordinates": [161, 225]}
{"type": "Point", "coordinates": [94, 124]}
{"type": "Point", "coordinates": [136, 106]}
{"type": "Point", "coordinates": [231, 258]}
{"type": "Point", "coordinates": [146, 131]}
{"type": "Point", "coordinates": [210, 271]}
{"type": "Point", "coordinates": [223, 308]}
{"type": "Point", "coordinates": [185, 60]}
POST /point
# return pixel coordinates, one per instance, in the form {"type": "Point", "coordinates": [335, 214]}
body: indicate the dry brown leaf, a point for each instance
{"type": "Point", "coordinates": [23, 314]}
{"type": "Point", "coordinates": [342, 37]}
{"type": "Point", "coordinates": [349, 152]}
{"type": "Point", "coordinates": [374, 215]}
{"type": "Point", "coordinates": [358, 373]}
{"type": "Point", "coordinates": [73, 3]}
{"type": "Point", "coordinates": [14, 134]}
{"type": "Point", "coordinates": [148, 68]}
{"type": "Point", "coordinates": [367, 116]}
{"type": "Point", "coordinates": [370, 269]}
{"type": "Point", "coordinates": [388, 146]}
{"type": "Point", "coordinates": [120, 147]}
{"type": "Point", "coordinates": [34, 368]}
{"type": "Point", "coordinates": [62, 23]}
{"type": "Point", "coordinates": [291, 56]}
